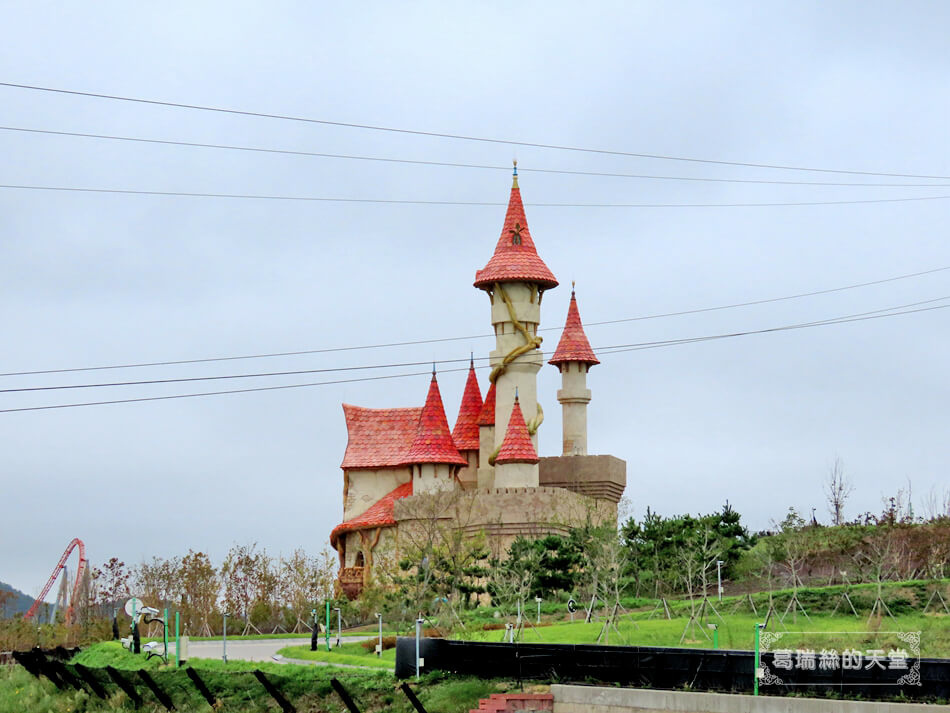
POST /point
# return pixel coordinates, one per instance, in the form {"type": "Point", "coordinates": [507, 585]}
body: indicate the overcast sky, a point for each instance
{"type": "Point", "coordinates": [92, 279]}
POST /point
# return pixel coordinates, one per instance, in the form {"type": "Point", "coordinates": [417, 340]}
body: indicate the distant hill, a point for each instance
{"type": "Point", "coordinates": [18, 605]}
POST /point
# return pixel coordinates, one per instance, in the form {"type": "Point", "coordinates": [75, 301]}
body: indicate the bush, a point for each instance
{"type": "Point", "coordinates": [389, 642]}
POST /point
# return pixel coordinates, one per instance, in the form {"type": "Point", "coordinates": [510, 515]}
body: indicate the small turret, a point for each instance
{"type": "Point", "coordinates": [466, 431]}
{"type": "Point", "coordinates": [433, 458]}
{"type": "Point", "coordinates": [517, 461]}
{"type": "Point", "coordinates": [574, 357]}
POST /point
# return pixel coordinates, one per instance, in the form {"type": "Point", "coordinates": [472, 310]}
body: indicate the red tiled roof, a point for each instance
{"type": "Point", "coordinates": [433, 442]}
{"type": "Point", "coordinates": [517, 446]}
{"type": "Point", "coordinates": [465, 433]}
{"type": "Point", "coordinates": [378, 437]}
{"type": "Point", "coordinates": [515, 261]}
{"type": "Point", "coordinates": [573, 345]}
{"type": "Point", "coordinates": [380, 514]}
{"type": "Point", "coordinates": [486, 417]}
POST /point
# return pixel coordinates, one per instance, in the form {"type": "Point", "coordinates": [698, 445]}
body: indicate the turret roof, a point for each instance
{"type": "Point", "coordinates": [516, 259]}
{"type": "Point", "coordinates": [465, 433]}
{"type": "Point", "coordinates": [433, 442]}
{"type": "Point", "coordinates": [573, 345]}
{"type": "Point", "coordinates": [486, 417]}
{"type": "Point", "coordinates": [379, 514]}
{"type": "Point", "coordinates": [517, 446]}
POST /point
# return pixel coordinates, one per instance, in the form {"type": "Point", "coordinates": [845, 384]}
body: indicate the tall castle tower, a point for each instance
{"type": "Point", "coordinates": [515, 279]}
{"type": "Point", "coordinates": [573, 358]}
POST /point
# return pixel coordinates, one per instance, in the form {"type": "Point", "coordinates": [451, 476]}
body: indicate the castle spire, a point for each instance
{"type": "Point", "coordinates": [465, 433]}
{"type": "Point", "coordinates": [574, 358]}
{"type": "Point", "coordinates": [574, 346]}
{"type": "Point", "coordinates": [517, 446]}
{"type": "Point", "coordinates": [433, 442]}
{"type": "Point", "coordinates": [516, 258]}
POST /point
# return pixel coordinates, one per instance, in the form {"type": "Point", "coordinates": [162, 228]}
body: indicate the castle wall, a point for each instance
{"type": "Point", "coordinates": [601, 477]}
{"type": "Point", "coordinates": [364, 488]}
{"type": "Point", "coordinates": [468, 475]}
{"type": "Point", "coordinates": [432, 478]}
{"type": "Point", "coordinates": [486, 446]}
{"type": "Point", "coordinates": [503, 514]}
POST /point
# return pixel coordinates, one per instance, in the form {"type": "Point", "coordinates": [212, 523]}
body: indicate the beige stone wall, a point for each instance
{"type": "Point", "coordinates": [433, 478]}
{"type": "Point", "coordinates": [503, 513]}
{"type": "Point", "coordinates": [574, 397]}
{"type": "Point", "coordinates": [486, 446]}
{"type": "Point", "coordinates": [468, 475]}
{"type": "Point", "coordinates": [517, 475]}
{"type": "Point", "coordinates": [601, 477]}
{"type": "Point", "coordinates": [364, 488]}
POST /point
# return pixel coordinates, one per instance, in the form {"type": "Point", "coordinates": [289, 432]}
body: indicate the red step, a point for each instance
{"type": "Point", "coordinates": [511, 702]}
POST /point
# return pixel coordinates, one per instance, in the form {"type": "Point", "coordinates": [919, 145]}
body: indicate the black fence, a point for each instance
{"type": "Point", "coordinates": [664, 668]}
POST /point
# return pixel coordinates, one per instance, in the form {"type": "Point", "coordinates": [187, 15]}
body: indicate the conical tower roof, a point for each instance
{"type": "Point", "coordinates": [486, 417]}
{"type": "Point", "coordinates": [515, 259]}
{"type": "Point", "coordinates": [465, 433]}
{"type": "Point", "coordinates": [433, 442]}
{"type": "Point", "coordinates": [517, 446]}
{"type": "Point", "coordinates": [573, 345]}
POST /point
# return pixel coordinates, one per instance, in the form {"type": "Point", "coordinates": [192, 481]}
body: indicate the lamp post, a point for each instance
{"type": "Point", "coordinates": [379, 648]}
{"type": "Point", "coordinates": [538, 600]}
{"type": "Point", "coordinates": [758, 670]}
{"type": "Point", "coordinates": [224, 640]}
{"type": "Point", "coordinates": [719, 564]}
{"type": "Point", "coordinates": [339, 625]}
{"type": "Point", "coordinates": [418, 636]}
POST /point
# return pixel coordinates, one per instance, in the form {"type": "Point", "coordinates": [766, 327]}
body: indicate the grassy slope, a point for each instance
{"type": "Point", "coordinates": [350, 654]}
{"type": "Point", "coordinates": [308, 687]}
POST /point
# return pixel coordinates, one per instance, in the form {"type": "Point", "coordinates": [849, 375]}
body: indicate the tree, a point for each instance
{"type": "Point", "coordinates": [838, 488]}
{"type": "Point", "coordinates": [113, 582]}
{"type": "Point", "coordinates": [198, 587]}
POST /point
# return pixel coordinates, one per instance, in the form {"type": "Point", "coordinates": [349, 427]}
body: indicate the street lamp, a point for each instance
{"type": "Point", "coordinates": [339, 625]}
{"type": "Point", "coordinates": [719, 564]}
{"type": "Point", "coordinates": [224, 639]}
{"type": "Point", "coordinates": [538, 600]}
{"type": "Point", "coordinates": [379, 647]}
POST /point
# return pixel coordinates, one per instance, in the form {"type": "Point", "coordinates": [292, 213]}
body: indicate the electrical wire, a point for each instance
{"type": "Point", "coordinates": [392, 201]}
{"type": "Point", "coordinates": [613, 349]}
{"type": "Point", "coordinates": [459, 137]}
{"type": "Point", "coordinates": [205, 360]}
{"type": "Point", "coordinates": [450, 164]}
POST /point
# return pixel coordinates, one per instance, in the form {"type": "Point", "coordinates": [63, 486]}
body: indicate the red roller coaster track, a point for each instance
{"type": "Point", "coordinates": [80, 571]}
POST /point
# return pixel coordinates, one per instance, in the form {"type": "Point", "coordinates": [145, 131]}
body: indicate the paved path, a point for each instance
{"type": "Point", "coordinates": [250, 649]}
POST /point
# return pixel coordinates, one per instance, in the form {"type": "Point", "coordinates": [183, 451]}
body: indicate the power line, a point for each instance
{"type": "Point", "coordinates": [451, 164]}
{"type": "Point", "coordinates": [459, 137]}
{"type": "Point", "coordinates": [415, 342]}
{"type": "Point", "coordinates": [805, 325]}
{"type": "Point", "coordinates": [219, 377]}
{"type": "Point", "coordinates": [391, 201]}
{"type": "Point", "coordinates": [425, 373]}
{"type": "Point", "coordinates": [611, 349]}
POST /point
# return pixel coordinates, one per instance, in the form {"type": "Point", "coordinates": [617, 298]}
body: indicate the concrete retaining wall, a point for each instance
{"type": "Point", "coordinates": [593, 699]}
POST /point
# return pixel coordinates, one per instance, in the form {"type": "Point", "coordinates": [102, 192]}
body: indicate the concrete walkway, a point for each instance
{"type": "Point", "coordinates": [253, 649]}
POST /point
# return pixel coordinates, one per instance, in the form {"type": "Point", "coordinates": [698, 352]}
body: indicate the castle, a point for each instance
{"type": "Point", "coordinates": [396, 458]}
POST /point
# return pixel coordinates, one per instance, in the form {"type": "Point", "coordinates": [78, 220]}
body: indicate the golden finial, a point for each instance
{"type": "Point", "coordinates": [514, 180]}
{"type": "Point", "coordinates": [572, 288]}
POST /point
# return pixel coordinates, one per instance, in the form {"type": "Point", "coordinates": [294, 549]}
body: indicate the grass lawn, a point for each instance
{"type": "Point", "coordinates": [737, 631]}
{"type": "Point", "coordinates": [234, 685]}
{"type": "Point", "coordinates": [350, 654]}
